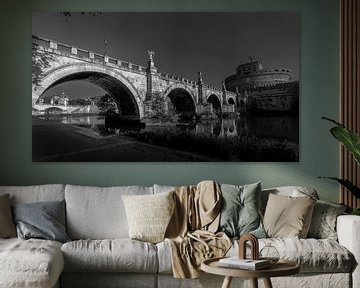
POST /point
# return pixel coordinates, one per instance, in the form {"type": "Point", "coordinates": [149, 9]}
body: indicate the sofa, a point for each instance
{"type": "Point", "coordinates": [99, 252]}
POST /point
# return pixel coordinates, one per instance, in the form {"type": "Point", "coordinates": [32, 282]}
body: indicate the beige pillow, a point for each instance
{"type": "Point", "coordinates": [288, 217]}
{"type": "Point", "coordinates": [7, 226]}
{"type": "Point", "coordinates": [149, 215]}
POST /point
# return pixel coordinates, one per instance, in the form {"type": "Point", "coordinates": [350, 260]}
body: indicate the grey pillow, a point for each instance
{"type": "Point", "coordinates": [323, 222]}
{"type": "Point", "coordinates": [44, 220]}
{"type": "Point", "coordinates": [240, 212]}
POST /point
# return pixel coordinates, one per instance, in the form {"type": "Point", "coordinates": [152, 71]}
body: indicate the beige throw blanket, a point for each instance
{"type": "Point", "coordinates": [191, 231]}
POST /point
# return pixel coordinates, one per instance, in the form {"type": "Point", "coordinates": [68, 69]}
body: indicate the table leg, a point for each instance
{"type": "Point", "coordinates": [254, 282]}
{"type": "Point", "coordinates": [227, 282]}
{"type": "Point", "coordinates": [267, 283]}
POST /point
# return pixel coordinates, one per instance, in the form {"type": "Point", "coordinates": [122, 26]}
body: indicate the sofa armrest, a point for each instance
{"type": "Point", "coordinates": [348, 230]}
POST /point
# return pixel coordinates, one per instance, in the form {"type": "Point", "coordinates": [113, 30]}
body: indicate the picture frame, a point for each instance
{"type": "Point", "coordinates": [165, 86]}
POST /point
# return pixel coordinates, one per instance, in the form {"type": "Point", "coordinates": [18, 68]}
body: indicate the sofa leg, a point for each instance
{"type": "Point", "coordinates": [267, 282]}
{"type": "Point", "coordinates": [227, 282]}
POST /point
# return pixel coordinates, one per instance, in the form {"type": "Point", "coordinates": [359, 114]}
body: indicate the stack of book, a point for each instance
{"type": "Point", "coordinates": [248, 264]}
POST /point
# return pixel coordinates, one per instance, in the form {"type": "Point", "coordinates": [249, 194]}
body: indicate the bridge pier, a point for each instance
{"type": "Point", "coordinates": [205, 110]}
{"type": "Point", "coordinates": [152, 77]}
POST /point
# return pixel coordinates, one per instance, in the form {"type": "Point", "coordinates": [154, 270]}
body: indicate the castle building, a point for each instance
{"type": "Point", "coordinates": [264, 90]}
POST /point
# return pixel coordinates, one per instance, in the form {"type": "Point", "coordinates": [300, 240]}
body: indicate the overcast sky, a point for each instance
{"type": "Point", "coordinates": [184, 43]}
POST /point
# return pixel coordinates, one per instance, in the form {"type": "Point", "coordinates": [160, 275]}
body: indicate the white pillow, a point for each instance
{"type": "Point", "coordinates": [149, 215]}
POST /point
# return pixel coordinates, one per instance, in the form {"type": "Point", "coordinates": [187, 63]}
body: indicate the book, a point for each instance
{"type": "Point", "coordinates": [236, 262]}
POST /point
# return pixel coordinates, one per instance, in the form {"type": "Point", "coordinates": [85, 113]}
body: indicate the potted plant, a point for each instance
{"type": "Point", "coordinates": [351, 141]}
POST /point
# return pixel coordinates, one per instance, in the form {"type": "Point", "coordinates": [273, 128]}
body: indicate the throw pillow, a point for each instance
{"type": "Point", "coordinates": [323, 222]}
{"type": "Point", "coordinates": [44, 220]}
{"type": "Point", "coordinates": [288, 217]}
{"type": "Point", "coordinates": [149, 215]}
{"type": "Point", "coordinates": [240, 213]}
{"type": "Point", "coordinates": [293, 191]}
{"type": "Point", "coordinates": [7, 226]}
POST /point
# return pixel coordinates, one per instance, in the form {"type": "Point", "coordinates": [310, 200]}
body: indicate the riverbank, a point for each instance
{"type": "Point", "coordinates": [57, 142]}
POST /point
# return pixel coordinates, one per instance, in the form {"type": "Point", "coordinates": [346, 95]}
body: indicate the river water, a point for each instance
{"type": "Point", "coordinates": [270, 130]}
{"type": "Point", "coordinates": [265, 127]}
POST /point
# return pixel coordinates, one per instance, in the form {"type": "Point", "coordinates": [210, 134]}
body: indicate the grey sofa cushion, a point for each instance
{"type": "Point", "coordinates": [44, 220]}
{"type": "Point", "coordinates": [98, 212]}
{"type": "Point", "coordinates": [109, 280]}
{"type": "Point", "coordinates": [162, 188]}
{"type": "Point", "coordinates": [31, 263]}
{"type": "Point", "coordinates": [164, 257]}
{"type": "Point", "coordinates": [34, 193]}
{"type": "Point", "coordinates": [117, 255]}
{"type": "Point", "coordinates": [313, 255]}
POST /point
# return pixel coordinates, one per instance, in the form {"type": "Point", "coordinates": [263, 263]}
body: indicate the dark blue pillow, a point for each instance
{"type": "Point", "coordinates": [44, 220]}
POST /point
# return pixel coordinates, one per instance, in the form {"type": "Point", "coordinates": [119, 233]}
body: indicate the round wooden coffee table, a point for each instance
{"type": "Point", "coordinates": [281, 268]}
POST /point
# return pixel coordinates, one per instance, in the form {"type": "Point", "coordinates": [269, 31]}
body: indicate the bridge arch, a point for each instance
{"type": "Point", "coordinates": [180, 99]}
{"type": "Point", "coordinates": [216, 103]}
{"type": "Point", "coordinates": [231, 101]}
{"type": "Point", "coordinates": [53, 110]}
{"type": "Point", "coordinates": [112, 81]}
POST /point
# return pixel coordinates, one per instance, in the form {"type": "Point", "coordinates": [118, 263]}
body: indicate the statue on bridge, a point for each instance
{"type": "Point", "coordinates": [151, 55]}
{"type": "Point", "coordinates": [151, 65]}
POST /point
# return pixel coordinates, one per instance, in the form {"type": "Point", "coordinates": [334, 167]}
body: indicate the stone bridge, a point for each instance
{"type": "Point", "coordinates": [68, 109]}
{"type": "Point", "coordinates": [135, 88]}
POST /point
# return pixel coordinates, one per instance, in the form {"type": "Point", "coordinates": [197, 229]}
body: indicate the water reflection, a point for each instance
{"type": "Point", "coordinates": [269, 128]}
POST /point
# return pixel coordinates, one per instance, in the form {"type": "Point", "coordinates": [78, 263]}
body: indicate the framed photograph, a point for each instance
{"type": "Point", "coordinates": [165, 86]}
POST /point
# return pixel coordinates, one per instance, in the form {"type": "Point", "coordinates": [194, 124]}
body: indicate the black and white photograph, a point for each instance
{"type": "Point", "coordinates": [165, 86]}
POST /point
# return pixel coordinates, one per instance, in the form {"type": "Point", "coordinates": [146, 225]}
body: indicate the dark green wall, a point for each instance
{"type": "Point", "coordinates": [318, 97]}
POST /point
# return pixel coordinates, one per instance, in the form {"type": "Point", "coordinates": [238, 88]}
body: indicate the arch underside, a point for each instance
{"type": "Point", "coordinates": [214, 100]}
{"type": "Point", "coordinates": [181, 103]}
{"type": "Point", "coordinates": [124, 99]}
{"type": "Point", "coordinates": [53, 110]}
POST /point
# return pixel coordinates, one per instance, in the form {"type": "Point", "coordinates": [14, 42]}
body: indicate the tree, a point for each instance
{"type": "Point", "coordinates": [40, 61]}
{"type": "Point", "coordinates": [158, 111]}
{"type": "Point", "coordinates": [107, 106]}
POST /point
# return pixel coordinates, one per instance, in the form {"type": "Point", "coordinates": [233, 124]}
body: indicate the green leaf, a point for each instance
{"type": "Point", "coordinates": [347, 184]}
{"type": "Point", "coordinates": [355, 211]}
{"type": "Point", "coordinates": [333, 121]}
{"type": "Point", "coordinates": [348, 138]}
